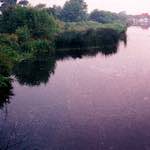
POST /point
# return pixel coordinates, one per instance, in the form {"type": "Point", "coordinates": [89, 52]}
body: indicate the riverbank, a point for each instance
{"type": "Point", "coordinates": [82, 95]}
{"type": "Point", "coordinates": [86, 25]}
{"type": "Point", "coordinates": [22, 37]}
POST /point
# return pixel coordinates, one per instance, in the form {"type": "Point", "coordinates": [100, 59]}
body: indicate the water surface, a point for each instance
{"type": "Point", "coordinates": [83, 102]}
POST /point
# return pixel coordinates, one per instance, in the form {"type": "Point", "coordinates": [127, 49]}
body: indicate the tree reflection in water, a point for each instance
{"type": "Point", "coordinates": [5, 95]}
{"type": "Point", "coordinates": [33, 72]}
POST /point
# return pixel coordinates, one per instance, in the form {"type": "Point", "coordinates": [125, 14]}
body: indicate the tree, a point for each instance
{"type": "Point", "coordinates": [103, 16]}
{"type": "Point", "coordinates": [95, 15]}
{"type": "Point", "coordinates": [74, 10]}
{"type": "Point", "coordinates": [123, 17]}
{"type": "Point", "coordinates": [7, 3]}
{"type": "Point", "coordinates": [55, 11]}
{"type": "Point", "coordinates": [40, 6]}
{"type": "Point", "coordinates": [39, 23]}
{"type": "Point", "coordinates": [23, 2]}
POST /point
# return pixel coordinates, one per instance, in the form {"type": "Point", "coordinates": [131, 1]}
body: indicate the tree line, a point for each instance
{"type": "Point", "coordinates": [71, 11]}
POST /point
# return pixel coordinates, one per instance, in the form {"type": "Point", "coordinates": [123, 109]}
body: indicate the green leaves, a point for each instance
{"type": "Point", "coordinates": [106, 17]}
{"type": "Point", "coordinates": [74, 10]}
{"type": "Point", "coordinates": [21, 19]}
{"type": "Point", "coordinates": [23, 34]}
{"type": "Point", "coordinates": [4, 81]}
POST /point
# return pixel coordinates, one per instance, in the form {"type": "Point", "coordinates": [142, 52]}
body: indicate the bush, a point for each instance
{"type": "Point", "coordinates": [39, 22]}
{"type": "Point", "coordinates": [88, 38]}
{"type": "Point", "coordinates": [9, 41]}
{"type": "Point", "coordinates": [5, 64]}
{"type": "Point", "coordinates": [4, 82]}
{"type": "Point", "coordinates": [108, 17]}
{"type": "Point", "coordinates": [86, 25]}
{"type": "Point", "coordinates": [36, 46]}
{"type": "Point", "coordinates": [23, 34]}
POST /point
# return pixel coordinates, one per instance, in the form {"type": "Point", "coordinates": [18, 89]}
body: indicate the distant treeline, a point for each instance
{"type": "Point", "coordinates": [72, 11]}
{"type": "Point", "coordinates": [76, 10]}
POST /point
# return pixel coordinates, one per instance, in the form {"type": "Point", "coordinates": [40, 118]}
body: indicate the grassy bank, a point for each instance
{"type": "Point", "coordinates": [86, 25]}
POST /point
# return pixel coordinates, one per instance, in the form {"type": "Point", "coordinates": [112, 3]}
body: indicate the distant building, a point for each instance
{"type": "Point", "coordinates": [140, 20]}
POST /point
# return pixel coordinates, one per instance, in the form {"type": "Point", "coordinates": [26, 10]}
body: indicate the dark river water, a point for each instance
{"type": "Point", "coordinates": [89, 102]}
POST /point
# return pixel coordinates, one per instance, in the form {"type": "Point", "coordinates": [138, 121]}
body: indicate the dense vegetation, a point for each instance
{"type": "Point", "coordinates": [26, 32]}
{"type": "Point", "coordinates": [86, 25]}
{"type": "Point", "coordinates": [74, 10]}
{"type": "Point", "coordinates": [107, 17]}
{"type": "Point", "coordinates": [86, 39]}
{"type": "Point", "coordinates": [6, 4]}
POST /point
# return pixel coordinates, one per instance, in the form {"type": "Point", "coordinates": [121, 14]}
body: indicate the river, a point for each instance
{"type": "Point", "coordinates": [98, 102]}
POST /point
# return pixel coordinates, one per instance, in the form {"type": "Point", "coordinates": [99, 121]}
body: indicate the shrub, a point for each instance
{"type": "Point", "coordinates": [4, 82]}
{"type": "Point", "coordinates": [5, 64]}
{"type": "Point", "coordinates": [39, 22]}
{"type": "Point", "coordinates": [36, 46]}
{"type": "Point", "coordinates": [88, 38]}
{"type": "Point", "coordinates": [23, 34]}
{"type": "Point", "coordinates": [9, 42]}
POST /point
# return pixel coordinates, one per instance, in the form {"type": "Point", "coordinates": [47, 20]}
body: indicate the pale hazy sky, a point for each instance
{"type": "Point", "coordinates": [130, 6]}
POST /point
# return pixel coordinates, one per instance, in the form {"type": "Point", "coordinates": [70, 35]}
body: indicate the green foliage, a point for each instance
{"type": "Point", "coordinates": [4, 81]}
{"type": "Point", "coordinates": [39, 22]}
{"type": "Point", "coordinates": [23, 34]}
{"type": "Point", "coordinates": [27, 32]}
{"type": "Point", "coordinates": [56, 11]}
{"type": "Point", "coordinates": [8, 57]}
{"type": "Point", "coordinates": [87, 38]}
{"type": "Point", "coordinates": [12, 54]}
{"type": "Point", "coordinates": [8, 41]}
{"type": "Point", "coordinates": [85, 25]}
{"type": "Point", "coordinates": [45, 26]}
{"type": "Point", "coordinates": [107, 17]}
{"type": "Point", "coordinates": [37, 46]}
{"type": "Point", "coordinates": [74, 10]}
{"type": "Point", "coordinates": [5, 64]}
